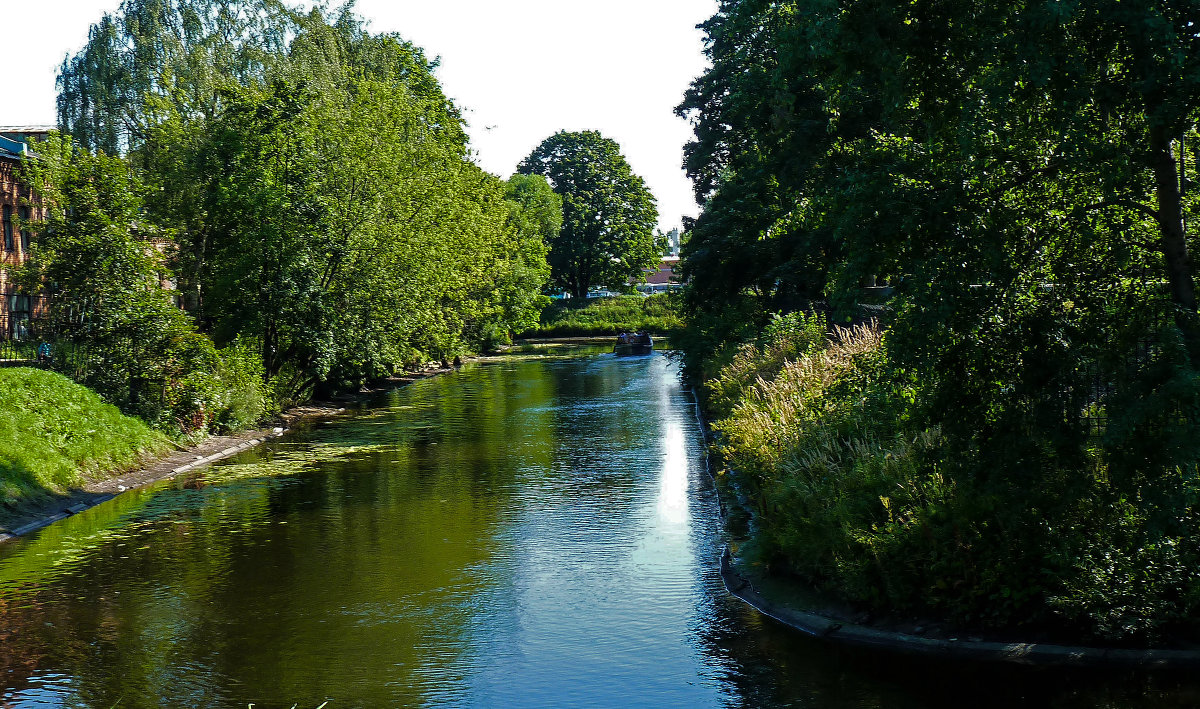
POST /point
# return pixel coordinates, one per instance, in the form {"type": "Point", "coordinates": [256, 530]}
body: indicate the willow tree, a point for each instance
{"type": "Point", "coordinates": [151, 57]}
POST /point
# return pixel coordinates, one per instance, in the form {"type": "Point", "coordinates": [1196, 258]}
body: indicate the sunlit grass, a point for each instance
{"type": "Point", "coordinates": [56, 434]}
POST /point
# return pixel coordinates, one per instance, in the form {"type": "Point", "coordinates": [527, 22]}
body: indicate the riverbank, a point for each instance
{"type": "Point", "coordinates": [768, 596]}
{"type": "Point", "coordinates": [35, 514]}
{"type": "Point", "coordinates": [799, 509]}
{"type": "Point", "coordinates": [804, 610]}
{"type": "Point", "coordinates": [657, 314]}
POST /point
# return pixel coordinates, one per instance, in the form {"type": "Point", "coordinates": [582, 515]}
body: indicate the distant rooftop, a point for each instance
{"type": "Point", "coordinates": [13, 139]}
{"type": "Point", "coordinates": [26, 130]}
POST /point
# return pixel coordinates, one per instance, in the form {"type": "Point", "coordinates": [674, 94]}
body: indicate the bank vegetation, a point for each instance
{"type": "Point", "coordinates": [55, 435]}
{"type": "Point", "coordinates": [1014, 445]}
{"type": "Point", "coordinates": [249, 205]}
{"type": "Point", "coordinates": [659, 314]}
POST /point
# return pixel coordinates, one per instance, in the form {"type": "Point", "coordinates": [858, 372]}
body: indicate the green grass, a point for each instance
{"type": "Point", "coordinates": [56, 435]}
{"type": "Point", "coordinates": [658, 314]}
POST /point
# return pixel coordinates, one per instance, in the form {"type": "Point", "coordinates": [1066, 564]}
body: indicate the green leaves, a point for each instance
{"type": "Point", "coordinates": [317, 183]}
{"type": "Point", "coordinates": [1020, 175]}
{"type": "Point", "coordinates": [608, 215]}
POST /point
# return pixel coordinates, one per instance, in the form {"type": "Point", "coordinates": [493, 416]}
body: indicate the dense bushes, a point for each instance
{"type": "Point", "coordinates": [173, 379]}
{"type": "Point", "coordinates": [658, 314]}
{"type": "Point", "coordinates": [852, 493]}
{"type": "Point", "coordinates": [114, 327]}
{"type": "Point", "coordinates": [1023, 445]}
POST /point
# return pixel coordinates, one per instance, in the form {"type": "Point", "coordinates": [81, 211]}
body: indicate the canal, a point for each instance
{"type": "Point", "coordinates": [534, 532]}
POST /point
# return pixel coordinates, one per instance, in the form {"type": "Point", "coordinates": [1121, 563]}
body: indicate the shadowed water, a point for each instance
{"type": "Point", "coordinates": [531, 533]}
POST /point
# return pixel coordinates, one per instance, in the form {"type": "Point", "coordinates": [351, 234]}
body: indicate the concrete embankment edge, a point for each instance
{"type": "Point", "coordinates": [97, 499]}
{"type": "Point", "coordinates": [1033, 654]}
{"type": "Point", "coordinates": [859, 636]}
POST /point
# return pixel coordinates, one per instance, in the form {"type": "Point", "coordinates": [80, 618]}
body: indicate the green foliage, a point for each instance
{"type": "Point", "coordinates": [164, 56]}
{"type": "Point", "coordinates": [607, 235]}
{"type": "Point", "coordinates": [114, 325]}
{"type": "Point", "coordinates": [55, 434]}
{"type": "Point", "coordinates": [343, 227]}
{"type": "Point", "coordinates": [535, 216]}
{"type": "Point", "coordinates": [786, 338]}
{"type": "Point", "coordinates": [573, 317]}
{"type": "Point", "coordinates": [849, 492]}
{"type": "Point", "coordinates": [125, 338]}
{"type": "Point", "coordinates": [1014, 172]}
{"type": "Point", "coordinates": [241, 398]}
{"type": "Point", "coordinates": [317, 184]}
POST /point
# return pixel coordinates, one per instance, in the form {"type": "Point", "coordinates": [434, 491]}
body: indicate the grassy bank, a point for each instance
{"type": "Point", "coordinates": [55, 434]}
{"type": "Point", "coordinates": [854, 493]}
{"type": "Point", "coordinates": [658, 314]}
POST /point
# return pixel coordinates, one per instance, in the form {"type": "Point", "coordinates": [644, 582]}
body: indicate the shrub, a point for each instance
{"type": "Point", "coordinates": [785, 338]}
{"type": "Point", "coordinates": [658, 314]}
{"type": "Point", "coordinates": [242, 400]}
{"type": "Point", "coordinates": [853, 493]}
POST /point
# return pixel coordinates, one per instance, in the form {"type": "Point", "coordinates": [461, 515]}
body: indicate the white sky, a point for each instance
{"type": "Point", "coordinates": [521, 70]}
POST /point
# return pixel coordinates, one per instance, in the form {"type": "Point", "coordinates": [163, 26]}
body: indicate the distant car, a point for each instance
{"type": "Point", "coordinates": [602, 293]}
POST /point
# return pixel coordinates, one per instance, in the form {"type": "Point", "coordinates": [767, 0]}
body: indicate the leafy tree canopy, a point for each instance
{"type": "Point", "coordinates": [1022, 176]}
{"type": "Point", "coordinates": [607, 236]}
{"type": "Point", "coordinates": [317, 182]}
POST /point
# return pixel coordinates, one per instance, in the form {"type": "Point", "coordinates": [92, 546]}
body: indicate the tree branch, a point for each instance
{"type": "Point", "coordinates": [1126, 203]}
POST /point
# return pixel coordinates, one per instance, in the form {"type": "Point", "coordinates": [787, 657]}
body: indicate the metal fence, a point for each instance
{"type": "Point", "coordinates": [1102, 382]}
{"type": "Point", "coordinates": [21, 337]}
{"type": "Point", "coordinates": [29, 337]}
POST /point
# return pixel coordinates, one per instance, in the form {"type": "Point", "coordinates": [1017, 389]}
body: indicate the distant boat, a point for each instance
{"type": "Point", "coordinates": [629, 343]}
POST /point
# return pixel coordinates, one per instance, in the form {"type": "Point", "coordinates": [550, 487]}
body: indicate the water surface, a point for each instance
{"type": "Point", "coordinates": [533, 533]}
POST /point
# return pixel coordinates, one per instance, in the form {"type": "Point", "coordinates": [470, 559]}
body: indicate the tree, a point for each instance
{"type": "Point", "coordinates": [1018, 171]}
{"type": "Point", "coordinates": [317, 181]}
{"type": "Point", "coordinates": [346, 252]}
{"type": "Point", "coordinates": [98, 259]}
{"type": "Point", "coordinates": [607, 236]}
{"type": "Point", "coordinates": [152, 56]}
{"type": "Point", "coordinates": [535, 214]}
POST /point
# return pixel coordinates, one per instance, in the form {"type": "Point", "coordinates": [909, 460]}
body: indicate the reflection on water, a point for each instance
{"type": "Point", "coordinates": [527, 533]}
{"type": "Point", "coordinates": [673, 489]}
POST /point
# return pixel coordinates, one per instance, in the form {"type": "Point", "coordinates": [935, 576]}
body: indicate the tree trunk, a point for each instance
{"type": "Point", "coordinates": [579, 285]}
{"type": "Point", "coordinates": [1177, 260]}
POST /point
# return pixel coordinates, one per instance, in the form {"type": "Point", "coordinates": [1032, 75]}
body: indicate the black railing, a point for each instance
{"type": "Point", "coordinates": [1102, 382]}
{"type": "Point", "coordinates": [21, 336]}
{"type": "Point", "coordinates": [29, 338]}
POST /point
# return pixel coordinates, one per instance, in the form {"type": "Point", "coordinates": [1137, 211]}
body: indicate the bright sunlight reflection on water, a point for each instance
{"type": "Point", "coordinates": [673, 480]}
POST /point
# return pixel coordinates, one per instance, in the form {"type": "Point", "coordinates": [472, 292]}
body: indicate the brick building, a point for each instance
{"type": "Point", "coordinates": [15, 210]}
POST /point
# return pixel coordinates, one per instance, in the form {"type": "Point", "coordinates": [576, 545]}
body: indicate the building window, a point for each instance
{"type": "Point", "coordinates": [23, 213]}
{"type": "Point", "coordinates": [8, 228]}
{"type": "Point", "coordinates": [20, 310]}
